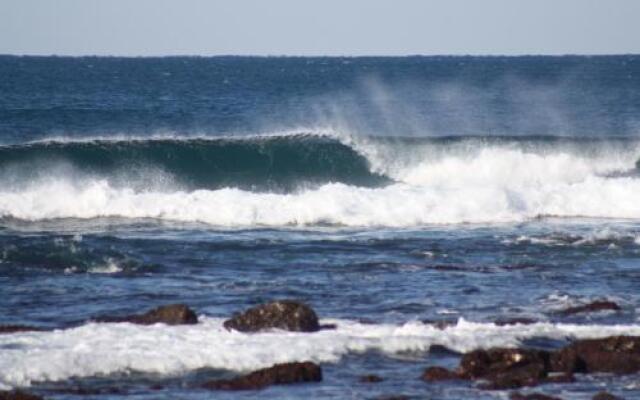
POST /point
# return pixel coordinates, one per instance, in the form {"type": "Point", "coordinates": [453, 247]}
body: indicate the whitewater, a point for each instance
{"type": "Point", "coordinates": [465, 181]}
{"type": "Point", "coordinates": [103, 349]}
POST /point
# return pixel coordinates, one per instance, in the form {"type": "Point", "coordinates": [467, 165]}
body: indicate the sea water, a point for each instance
{"type": "Point", "coordinates": [387, 193]}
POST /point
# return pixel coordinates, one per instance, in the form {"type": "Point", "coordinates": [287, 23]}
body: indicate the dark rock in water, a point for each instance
{"type": "Point", "coordinates": [280, 374]}
{"type": "Point", "coordinates": [600, 305]}
{"type": "Point", "coordinates": [284, 314]}
{"type": "Point", "coordinates": [394, 397]}
{"type": "Point", "coordinates": [565, 377]}
{"type": "Point", "coordinates": [173, 314]}
{"type": "Point", "coordinates": [505, 368]}
{"type": "Point", "coordinates": [532, 396]}
{"type": "Point", "coordinates": [18, 328]}
{"type": "Point", "coordinates": [89, 391]}
{"type": "Point", "coordinates": [440, 324]}
{"type": "Point", "coordinates": [371, 379]}
{"type": "Point", "coordinates": [488, 363]}
{"type": "Point", "coordinates": [18, 395]}
{"type": "Point", "coordinates": [434, 374]}
{"type": "Point", "coordinates": [514, 321]}
{"type": "Point", "coordinates": [605, 396]}
{"type": "Point", "coordinates": [616, 354]}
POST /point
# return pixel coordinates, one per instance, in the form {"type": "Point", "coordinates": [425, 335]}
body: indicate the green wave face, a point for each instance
{"type": "Point", "coordinates": [279, 164]}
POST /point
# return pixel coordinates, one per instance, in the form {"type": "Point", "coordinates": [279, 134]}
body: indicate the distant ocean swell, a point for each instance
{"type": "Point", "coordinates": [319, 179]}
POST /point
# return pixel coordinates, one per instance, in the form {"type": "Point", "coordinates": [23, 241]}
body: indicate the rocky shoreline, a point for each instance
{"type": "Point", "coordinates": [487, 369]}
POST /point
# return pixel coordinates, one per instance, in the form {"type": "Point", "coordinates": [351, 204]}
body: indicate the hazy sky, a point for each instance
{"type": "Point", "coordinates": [321, 27]}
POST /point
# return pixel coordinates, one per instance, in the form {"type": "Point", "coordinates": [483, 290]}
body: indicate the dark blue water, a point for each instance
{"type": "Point", "coordinates": [384, 192]}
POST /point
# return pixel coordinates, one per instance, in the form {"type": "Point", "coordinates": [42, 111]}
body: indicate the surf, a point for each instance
{"type": "Point", "coordinates": [318, 180]}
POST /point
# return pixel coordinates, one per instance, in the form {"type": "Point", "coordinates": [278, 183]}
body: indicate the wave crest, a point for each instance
{"type": "Point", "coordinates": [302, 180]}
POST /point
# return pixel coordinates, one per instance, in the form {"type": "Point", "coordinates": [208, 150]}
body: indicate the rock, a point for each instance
{"type": "Point", "coordinates": [488, 363]}
{"type": "Point", "coordinates": [505, 368]}
{"type": "Point", "coordinates": [370, 379]}
{"type": "Point", "coordinates": [441, 324]}
{"type": "Point", "coordinates": [565, 377]}
{"type": "Point", "coordinates": [434, 374]}
{"type": "Point", "coordinates": [599, 305]}
{"type": "Point", "coordinates": [514, 321]}
{"type": "Point", "coordinates": [173, 314]}
{"type": "Point", "coordinates": [616, 354]}
{"type": "Point", "coordinates": [394, 397]}
{"type": "Point", "coordinates": [284, 314]}
{"type": "Point", "coordinates": [18, 328]}
{"type": "Point", "coordinates": [605, 396]}
{"type": "Point", "coordinates": [531, 396]}
{"type": "Point", "coordinates": [89, 391]}
{"type": "Point", "coordinates": [280, 374]}
{"type": "Point", "coordinates": [18, 395]}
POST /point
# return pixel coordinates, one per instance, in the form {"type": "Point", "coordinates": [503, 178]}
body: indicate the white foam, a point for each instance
{"type": "Point", "coordinates": [162, 136]}
{"type": "Point", "coordinates": [102, 349]}
{"type": "Point", "coordinates": [612, 237]}
{"type": "Point", "coordinates": [110, 267]}
{"type": "Point", "coordinates": [458, 183]}
{"type": "Point", "coordinates": [398, 205]}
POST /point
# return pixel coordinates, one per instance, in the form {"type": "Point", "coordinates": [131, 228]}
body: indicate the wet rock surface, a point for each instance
{"type": "Point", "coordinates": [18, 395]}
{"type": "Point", "coordinates": [616, 354]}
{"type": "Point", "coordinates": [605, 396]}
{"type": "Point", "coordinates": [173, 314]}
{"type": "Point", "coordinates": [5, 329]}
{"type": "Point", "coordinates": [600, 305]}
{"type": "Point", "coordinates": [280, 374]}
{"type": "Point", "coordinates": [284, 314]}
{"type": "Point", "coordinates": [435, 374]}
{"type": "Point", "coordinates": [505, 368]}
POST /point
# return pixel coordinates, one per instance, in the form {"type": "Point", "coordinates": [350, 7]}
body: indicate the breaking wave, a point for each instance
{"type": "Point", "coordinates": [103, 349]}
{"type": "Point", "coordinates": [322, 179]}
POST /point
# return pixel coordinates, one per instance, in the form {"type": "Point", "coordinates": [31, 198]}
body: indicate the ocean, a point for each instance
{"type": "Point", "coordinates": [386, 193]}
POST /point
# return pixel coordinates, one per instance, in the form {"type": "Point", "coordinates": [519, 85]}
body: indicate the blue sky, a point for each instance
{"type": "Point", "coordinates": [323, 27]}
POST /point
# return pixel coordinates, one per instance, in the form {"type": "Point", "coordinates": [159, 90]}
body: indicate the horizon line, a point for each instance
{"type": "Point", "coordinates": [416, 55]}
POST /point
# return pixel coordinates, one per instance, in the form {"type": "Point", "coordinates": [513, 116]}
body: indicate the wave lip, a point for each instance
{"type": "Point", "coordinates": [103, 349]}
{"type": "Point", "coordinates": [265, 163]}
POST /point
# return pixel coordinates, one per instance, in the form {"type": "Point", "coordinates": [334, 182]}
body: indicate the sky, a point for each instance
{"type": "Point", "coordinates": [321, 27]}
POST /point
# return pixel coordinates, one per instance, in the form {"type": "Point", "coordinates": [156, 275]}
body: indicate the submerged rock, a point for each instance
{"type": "Point", "coordinates": [510, 368]}
{"type": "Point", "coordinates": [284, 314]}
{"type": "Point", "coordinates": [394, 397]}
{"type": "Point", "coordinates": [434, 374]}
{"type": "Point", "coordinates": [18, 328]}
{"type": "Point", "coordinates": [505, 368]}
{"type": "Point", "coordinates": [605, 396]}
{"type": "Point", "coordinates": [616, 354]}
{"type": "Point", "coordinates": [173, 314]}
{"type": "Point", "coordinates": [371, 379]}
{"type": "Point", "coordinates": [280, 374]}
{"type": "Point", "coordinates": [532, 396]}
{"type": "Point", "coordinates": [515, 321]}
{"type": "Point", "coordinates": [18, 395]}
{"type": "Point", "coordinates": [599, 305]}
{"type": "Point", "coordinates": [441, 324]}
